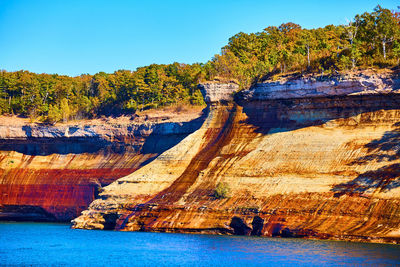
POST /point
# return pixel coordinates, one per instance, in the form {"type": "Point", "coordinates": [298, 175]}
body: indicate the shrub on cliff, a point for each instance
{"type": "Point", "coordinates": [221, 191]}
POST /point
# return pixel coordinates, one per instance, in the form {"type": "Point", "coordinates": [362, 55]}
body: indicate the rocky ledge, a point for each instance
{"type": "Point", "coordinates": [215, 92]}
{"type": "Point", "coordinates": [52, 173]}
{"type": "Point", "coordinates": [360, 83]}
{"type": "Point", "coordinates": [309, 164]}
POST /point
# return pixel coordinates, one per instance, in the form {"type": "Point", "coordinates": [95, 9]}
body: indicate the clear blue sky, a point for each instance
{"type": "Point", "coordinates": [84, 36]}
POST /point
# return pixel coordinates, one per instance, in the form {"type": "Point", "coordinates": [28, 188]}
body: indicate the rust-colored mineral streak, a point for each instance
{"type": "Point", "coordinates": [323, 164]}
{"type": "Point", "coordinates": [52, 173]}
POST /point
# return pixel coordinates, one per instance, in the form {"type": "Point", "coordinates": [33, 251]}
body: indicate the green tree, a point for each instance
{"type": "Point", "coordinates": [387, 27]}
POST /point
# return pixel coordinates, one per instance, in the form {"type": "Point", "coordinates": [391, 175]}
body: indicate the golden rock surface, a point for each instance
{"type": "Point", "coordinates": [321, 167]}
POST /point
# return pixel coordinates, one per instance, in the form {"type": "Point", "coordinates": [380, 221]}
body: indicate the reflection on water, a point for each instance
{"type": "Point", "coordinates": [56, 244]}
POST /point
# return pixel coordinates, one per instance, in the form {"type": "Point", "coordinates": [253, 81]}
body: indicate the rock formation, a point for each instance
{"type": "Point", "coordinates": [218, 92]}
{"type": "Point", "coordinates": [323, 86]}
{"type": "Point", "coordinates": [304, 159]}
{"type": "Point", "coordinates": [52, 173]}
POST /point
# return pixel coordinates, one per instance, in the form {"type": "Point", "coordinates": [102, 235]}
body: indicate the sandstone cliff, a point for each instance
{"type": "Point", "coordinates": [52, 173]}
{"type": "Point", "coordinates": [310, 158]}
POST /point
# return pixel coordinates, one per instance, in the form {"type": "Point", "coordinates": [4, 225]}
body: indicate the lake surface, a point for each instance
{"type": "Point", "coordinates": [57, 244]}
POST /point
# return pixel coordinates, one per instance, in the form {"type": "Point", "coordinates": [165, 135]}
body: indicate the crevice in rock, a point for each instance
{"type": "Point", "coordinates": [257, 224]}
{"type": "Point", "coordinates": [239, 226]}
{"type": "Point", "coordinates": [110, 221]}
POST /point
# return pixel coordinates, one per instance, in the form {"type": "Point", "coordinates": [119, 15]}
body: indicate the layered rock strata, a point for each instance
{"type": "Point", "coordinates": [322, 165]}
{"type": "Point", "coordinates": [324, 86]}
{"type": "Point", "coordinates": [214, 92]}
{"type": "Point", "coordinates": [52, 173]}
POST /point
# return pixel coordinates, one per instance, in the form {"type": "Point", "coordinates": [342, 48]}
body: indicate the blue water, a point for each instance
{"type": "Point", "coordinates": [57, 244]}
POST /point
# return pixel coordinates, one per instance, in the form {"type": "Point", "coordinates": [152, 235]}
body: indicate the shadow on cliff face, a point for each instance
{"type": "Point", "coordinates": [47, 146]}
{"type": "Point", "coordinates": [385, 149]}
{"type": "Point", "coordinates": [163, 137]}
{"type": "Point", "coordinates": [166, 136]}
{"type": "Point", "coordinates": [281, 115]}
{"type": "Point", "coordinates": [273, 116]}
{"type": "Point", "coordinates": [25, 213]}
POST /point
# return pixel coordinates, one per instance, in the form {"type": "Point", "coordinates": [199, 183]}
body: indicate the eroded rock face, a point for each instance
{"type": "Point", "coordinates": [52, 173]}
{"type": "Point", "coordinates": [322, 167]}
{"type": "Point", "coordinates": [215, 92]}
{"type": "Point", "coordinates": [310, 87]}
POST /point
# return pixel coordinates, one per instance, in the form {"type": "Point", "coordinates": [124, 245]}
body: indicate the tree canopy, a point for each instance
{"type": "Point", "coordinates": [54, 98]}
{"type": "Point", "coordinates": [369, 40]}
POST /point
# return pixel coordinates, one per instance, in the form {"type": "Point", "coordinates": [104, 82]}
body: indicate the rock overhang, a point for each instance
{"type": "Point", "coordinates": [218, 92]}
{"type": "Point", "coordinates": [310, 87]}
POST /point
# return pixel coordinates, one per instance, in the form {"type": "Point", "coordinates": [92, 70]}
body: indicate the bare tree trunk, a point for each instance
{"type": "Point", "coordinates": [45, 98]}
{"type": "Point", "coordinates": [308, 55]}
{"type": "Point", "coordinates": [384, 48]}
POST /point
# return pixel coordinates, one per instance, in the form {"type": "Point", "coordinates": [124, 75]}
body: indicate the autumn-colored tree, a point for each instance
{"type": "Point", "coordinates": [370, 39]}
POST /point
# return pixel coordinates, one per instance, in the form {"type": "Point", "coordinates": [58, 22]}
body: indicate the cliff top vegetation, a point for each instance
{"type": "Point", "coordinates": [370, 40]}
